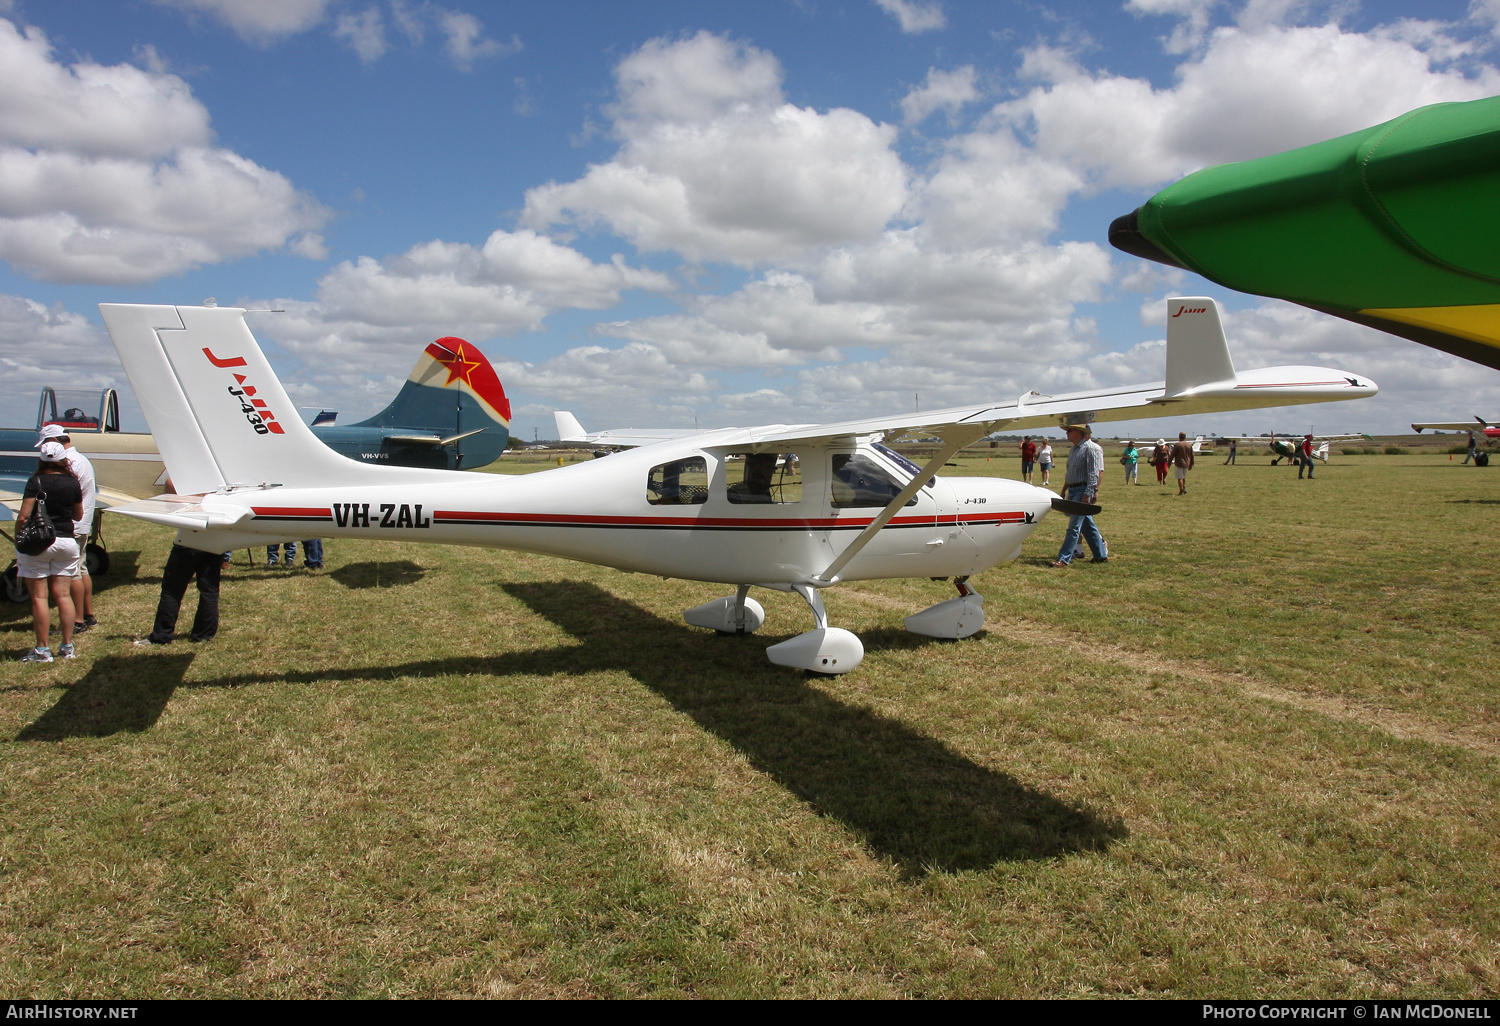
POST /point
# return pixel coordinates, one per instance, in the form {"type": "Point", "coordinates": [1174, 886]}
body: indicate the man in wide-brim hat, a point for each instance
{"type": "Point", "coordinates": [1081, 484]}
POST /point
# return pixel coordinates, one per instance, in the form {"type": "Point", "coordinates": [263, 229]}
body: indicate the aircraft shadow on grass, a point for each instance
{"type": "Point", "coordinates": [913, 799]}
{"type": "Point", "coordinates": [117, 694]}
{"type": "Point", "coordinates": [385, 574]}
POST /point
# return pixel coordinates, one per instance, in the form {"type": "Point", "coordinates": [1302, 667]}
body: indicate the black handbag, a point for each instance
{"type": "Point", "coordinates": [37, 534]}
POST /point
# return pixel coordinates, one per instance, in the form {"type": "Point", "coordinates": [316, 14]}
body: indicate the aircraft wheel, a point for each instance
{"type": "Point", "coordinates": [96, 559]}
{"type": "Point", "coordinates": [15, 591]}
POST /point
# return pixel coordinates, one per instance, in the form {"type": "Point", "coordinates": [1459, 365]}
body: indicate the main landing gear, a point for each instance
{"type": "Point", "coordinates": [833, 650]}
{"type": "Point", "coordinates": [823, 649]}
{"type": "Point", "coordinates": [957, 618]}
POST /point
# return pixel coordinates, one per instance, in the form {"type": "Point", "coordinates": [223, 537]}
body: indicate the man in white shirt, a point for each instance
{"type": "Point", "coordinates": [82, 588]}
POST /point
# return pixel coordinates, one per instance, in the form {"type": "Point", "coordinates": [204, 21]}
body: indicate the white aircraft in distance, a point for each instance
{"type": "Point", "coordinates": [1489, 431]}
{"type": "Point", "coordinates": [676, 505]}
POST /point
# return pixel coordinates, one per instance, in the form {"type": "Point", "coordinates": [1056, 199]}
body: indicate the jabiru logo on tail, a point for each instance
{"type": "Point", "coordinates": [256, 412]}
{"type": "Point", "coordinates": [1190, 309]}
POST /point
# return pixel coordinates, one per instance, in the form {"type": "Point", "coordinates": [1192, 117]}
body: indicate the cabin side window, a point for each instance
{"type": "Point", "coordinates": [859, 481]}
{"type": "Point", "coordinates": [679, 483]}
{"type": "Point", "coordinates": [762, 477]}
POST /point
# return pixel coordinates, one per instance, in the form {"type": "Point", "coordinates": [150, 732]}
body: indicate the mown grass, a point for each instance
{"type": "Point", "coordinates": [1254, 755]}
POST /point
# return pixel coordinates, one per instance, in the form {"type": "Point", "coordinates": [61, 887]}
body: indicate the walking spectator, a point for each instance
{"type": "Point", "coordinates": [1130, 459]}
{"type": "Point", "coordinates": [1028, 458]}
{"type": "Point", "coordinates": [1182, 461]}
{"type": "Point", "coordinates": [1081, 484]}
{"type": "Point", "coordinates": [1233, 448]}
{"type": "Point", "coordinates": [1044, 460]}
{"type": "Point", "coordinates": [1159, 460]}
{"type": "Point", "coordinates": [1473, 448]}
{"type": "Point", "coordinates": [52, 569]}
{"type": "Point", "coordinates": [1305, 452]}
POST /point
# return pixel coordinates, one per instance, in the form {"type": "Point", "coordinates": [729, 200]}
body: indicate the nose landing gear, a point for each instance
{"type": "Point", "coordinates": [732, 614]}
{"type": "Point", "coordinates": [823, 649]}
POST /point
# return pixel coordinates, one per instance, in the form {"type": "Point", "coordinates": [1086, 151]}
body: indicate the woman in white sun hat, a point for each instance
{"type": "Point", "coordinates": [54, 481]}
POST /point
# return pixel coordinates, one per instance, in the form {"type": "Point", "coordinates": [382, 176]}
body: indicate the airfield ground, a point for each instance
{"type": "Point", "coordinates": [1258, 754]}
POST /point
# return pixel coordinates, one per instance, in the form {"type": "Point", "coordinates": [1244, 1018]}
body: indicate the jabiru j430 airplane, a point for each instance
{"type": "Point", "coordinates": [703, 506]}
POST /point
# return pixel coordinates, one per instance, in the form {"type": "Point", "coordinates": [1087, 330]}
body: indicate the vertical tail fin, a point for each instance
{"type": "Point", "coordinates": [219, 414]}
{"type": "Point", "coordinates": [1197, 352]}
{"type": "Point", "coordinates": [452, 391]}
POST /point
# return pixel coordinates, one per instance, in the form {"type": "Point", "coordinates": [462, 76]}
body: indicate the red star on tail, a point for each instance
{"type": "Point", "coordinates": [459, 368]}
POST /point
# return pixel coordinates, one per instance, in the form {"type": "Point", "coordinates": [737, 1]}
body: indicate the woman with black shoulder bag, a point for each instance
{"type": "Point", "coordinates": [62, 501]}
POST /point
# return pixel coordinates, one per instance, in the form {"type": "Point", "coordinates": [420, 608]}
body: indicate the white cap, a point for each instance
{"type": "Point", "coordinates": [53, 452]}
{"type": "Point", "coordinates": [49, 431]}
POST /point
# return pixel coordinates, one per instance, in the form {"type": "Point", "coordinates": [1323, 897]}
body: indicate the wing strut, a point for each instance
{"type": "Point", "coordinates": [954, 438]}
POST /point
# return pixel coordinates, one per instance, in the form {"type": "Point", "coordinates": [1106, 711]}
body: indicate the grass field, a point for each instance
{"type": "Point", "coordinates": [1257, 754]}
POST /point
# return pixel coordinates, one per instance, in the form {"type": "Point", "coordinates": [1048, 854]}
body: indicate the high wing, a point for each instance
{"type": "Point", "coordinates": [1200, 378]}
{"type": "Point", "coordinates": [1265, 439]}
{"type": "Point", "coordinates": [569, 430]}
{"type": "Point", "coordinates": [1467, 425]}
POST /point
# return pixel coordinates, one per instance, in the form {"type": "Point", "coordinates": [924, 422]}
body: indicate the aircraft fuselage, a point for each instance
{"type": "Point", "coordinates": [606, 512]}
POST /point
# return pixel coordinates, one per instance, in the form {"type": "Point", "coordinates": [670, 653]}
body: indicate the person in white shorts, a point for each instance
{"type": "Point", "coordinates": [83, 585]}
{"type": "Point", "coordinates": [54, 567]}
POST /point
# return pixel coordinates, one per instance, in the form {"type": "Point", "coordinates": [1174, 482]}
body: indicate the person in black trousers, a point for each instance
{"type": "Point", "coordinates": [182, 565]}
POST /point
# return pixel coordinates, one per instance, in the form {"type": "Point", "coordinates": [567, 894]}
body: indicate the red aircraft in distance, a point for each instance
{"type": "Point", "coordinates": [1488, 430]}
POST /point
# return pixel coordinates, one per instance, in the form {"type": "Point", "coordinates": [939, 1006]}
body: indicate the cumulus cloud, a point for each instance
{"type": "Point", "coordinates": [1249, 93]}
{"type": "Point", "coordinates": [915, 15]}
{"type": "Point", "coordinates": [466, 41]}
{"type": "Point", "coordinates": [370, 316]}
{"type": "Point", "coordinates": [36, 340]}
{"type": "Point", "coordinates": [713, 164]}
{"type": "Point", "coordinates": [1191, 27]}
{"type": "Point", "coordinates": [89, 109]}
{"type": "Point", "coordinates": [108, 175]}
{"type": "Point", "coordinates": [364, 33]}
{"type": "Point", "coordinates": [943, 90]}
{"type": "Point", "coordinates": [261, 21]}
{"type": "Point", "coordinates": [637, 384]}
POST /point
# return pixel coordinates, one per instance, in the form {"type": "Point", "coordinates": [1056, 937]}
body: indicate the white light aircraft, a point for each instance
{"type": "Point", "coordinates": [846, 508]}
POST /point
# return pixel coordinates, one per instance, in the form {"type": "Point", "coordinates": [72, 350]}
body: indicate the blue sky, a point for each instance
{"type": "Point", "coordinates": [655, 214]}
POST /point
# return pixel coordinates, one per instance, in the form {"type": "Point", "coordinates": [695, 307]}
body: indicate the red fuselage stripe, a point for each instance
{"type": "Point", "coordinates": [583, 520]}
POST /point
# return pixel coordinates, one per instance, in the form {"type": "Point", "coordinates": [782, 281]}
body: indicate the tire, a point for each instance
{"type": "Point", "coordinates": [96, 559]}
{"type": "Point", "coordinates": [15, 591]}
